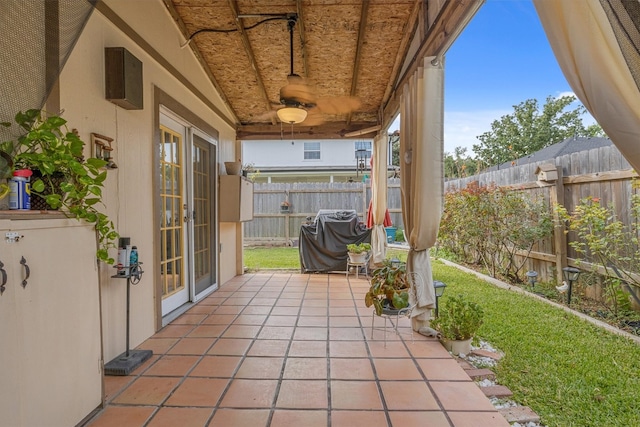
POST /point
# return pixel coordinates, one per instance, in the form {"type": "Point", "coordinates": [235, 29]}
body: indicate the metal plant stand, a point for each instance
{"type": "Point", "coordinates": [130, 359]}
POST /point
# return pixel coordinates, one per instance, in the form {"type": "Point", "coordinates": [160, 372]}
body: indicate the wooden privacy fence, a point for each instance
{"type": "Point", "coordinates": [601, 173]}
{"type": "Point", "coordinates": [272, 226]}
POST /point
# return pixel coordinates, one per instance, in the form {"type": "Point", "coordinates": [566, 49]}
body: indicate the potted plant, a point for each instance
{"type": "Point", "coordinates": [389, 287]}
{"type": "Point", "coordinates": [457, 323]}
{"type": "Point", "coordinates": [285, 206]}
{"type": "Point", "coordinates": [62, 176]}
{"type": "Point", "coordinates": [358, 252]}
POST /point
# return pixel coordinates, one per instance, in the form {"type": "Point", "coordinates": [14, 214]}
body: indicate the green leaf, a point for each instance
{"type": "Point", "coordinates": [37, 186]}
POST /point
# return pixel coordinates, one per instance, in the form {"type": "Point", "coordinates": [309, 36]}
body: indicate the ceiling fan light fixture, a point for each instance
{"type": "Point", "coordinates": [292, 115]}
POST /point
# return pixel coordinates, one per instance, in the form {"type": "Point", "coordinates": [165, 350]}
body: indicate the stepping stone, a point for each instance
{"type": "Point", "coordinates": [465, 365]}
{"type": "Point", "coordinates": [481, 374]}
{"type": "Point", "coordinates": [520, 414]}
{"type": "Point", "coordinates": [486, 353]}
{"type": "Point", "coordinates": [496, 391]}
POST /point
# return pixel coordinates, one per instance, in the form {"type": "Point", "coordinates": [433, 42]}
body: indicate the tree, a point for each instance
{"type": "Point", "coordinates": [459, 164]}
{"type": "Point", "coordinates": [528, 130]}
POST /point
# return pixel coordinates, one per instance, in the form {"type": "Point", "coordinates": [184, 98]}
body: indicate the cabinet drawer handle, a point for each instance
{"type": "Point", "coordinates": [26, 271]}
{"type": "Point", "coordinates": [4, 277]}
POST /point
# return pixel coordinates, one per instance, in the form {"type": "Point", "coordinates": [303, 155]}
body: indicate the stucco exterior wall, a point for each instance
{"type": "Point", "coordinates": [129, 188]}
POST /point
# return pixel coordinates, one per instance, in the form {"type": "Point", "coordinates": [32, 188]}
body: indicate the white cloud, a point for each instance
{"type": "Point", "coordinates": [462, 127]}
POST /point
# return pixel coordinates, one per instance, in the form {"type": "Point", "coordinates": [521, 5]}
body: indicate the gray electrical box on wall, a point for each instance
{"type": "Point", "coordinates": [123, 78]}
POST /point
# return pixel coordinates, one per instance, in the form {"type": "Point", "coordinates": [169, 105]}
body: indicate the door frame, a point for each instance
{"type": "Point", "coordinates": [161, 98]}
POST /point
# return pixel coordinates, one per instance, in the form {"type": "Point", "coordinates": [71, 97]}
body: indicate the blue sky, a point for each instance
{"type": "Point", "coordinates": [501, 59]}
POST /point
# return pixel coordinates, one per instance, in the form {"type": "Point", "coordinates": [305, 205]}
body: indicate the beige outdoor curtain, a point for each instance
{"type": "Point", "coordinates": [379, 197]}
{"type": "Point", "coordinates": [596, 43]}
{"type": "Point", "coordinates": [421, 174]}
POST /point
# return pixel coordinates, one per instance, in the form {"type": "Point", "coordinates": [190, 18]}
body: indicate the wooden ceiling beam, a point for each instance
{"type": "Point", "coordinates": [233, 4]}
{"type": "Point", "coordinates": [452, 18]}
{"type": "Point", "coordinates": [364, 13]}
{"type": "Point", "coordinates": [332, 130]}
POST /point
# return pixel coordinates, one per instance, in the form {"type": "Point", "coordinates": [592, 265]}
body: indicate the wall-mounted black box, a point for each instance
{"type": "Point", "coordinates": [123, 78]}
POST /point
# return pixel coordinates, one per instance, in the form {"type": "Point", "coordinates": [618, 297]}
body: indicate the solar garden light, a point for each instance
{"type": "Point", "coordinates": [439, 288]}
{"type": "Point", "coordinates": [395, 262]}
{"type": "Point", "coordinates": [570, 275]}
{"type": "Point", "coordinates": [532, 277]}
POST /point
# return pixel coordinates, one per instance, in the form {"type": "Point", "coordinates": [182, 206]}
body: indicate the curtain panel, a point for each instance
{"type": "Point", "coordinates": [379, 198]}
{"type": "Point", "coordinates": [596, 44]}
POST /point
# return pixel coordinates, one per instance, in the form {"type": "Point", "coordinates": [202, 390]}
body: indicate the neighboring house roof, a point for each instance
{"type": "Point", "coordinates": [568, 146]}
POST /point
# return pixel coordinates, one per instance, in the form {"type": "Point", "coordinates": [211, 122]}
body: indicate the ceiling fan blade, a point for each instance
{"type": "Point", "coordinates": [298, 92]}
{"type": "Point", "coordinates": [339, 104]}
{"type": "Point", "coordinates": [314, 117]}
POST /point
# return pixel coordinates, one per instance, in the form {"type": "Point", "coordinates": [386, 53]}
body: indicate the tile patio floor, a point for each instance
{"type": "Point", "coordinates": [292, 350]}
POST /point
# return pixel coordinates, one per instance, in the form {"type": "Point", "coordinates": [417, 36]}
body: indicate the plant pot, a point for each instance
{"type": "Point", "coordinates": [285, 208]}
{"type": "Point", "coordinates": [457, 346]}
{"type": "Point", "coordinates": [360, 258]}
{"type": "Point", "coordinates": [233, 168]}
{"type": "Point", "coordinates": [52, 186]}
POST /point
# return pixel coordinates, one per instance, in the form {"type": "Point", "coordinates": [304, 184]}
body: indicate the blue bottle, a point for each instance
{"type": "Point", "coordinates": [133, 258]}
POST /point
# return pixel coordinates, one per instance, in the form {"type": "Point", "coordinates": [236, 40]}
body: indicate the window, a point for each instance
{"type": "Point", "coordinates": [363, 150]}
{"type": "Point", "coordinates": [312, 151]}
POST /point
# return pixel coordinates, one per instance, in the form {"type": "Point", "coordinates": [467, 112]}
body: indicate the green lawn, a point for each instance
{"type": "Point", "coordinates": [567, 370]}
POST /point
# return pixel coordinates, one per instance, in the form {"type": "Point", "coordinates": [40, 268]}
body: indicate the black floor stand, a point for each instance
{"type": "Point", "coordinates": [130, 359]}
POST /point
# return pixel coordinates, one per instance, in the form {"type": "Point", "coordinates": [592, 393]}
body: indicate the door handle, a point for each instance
{"type": "Point", "coordinates": [3, 274]}
{"type": "Point", "coordinates": [27, 272]}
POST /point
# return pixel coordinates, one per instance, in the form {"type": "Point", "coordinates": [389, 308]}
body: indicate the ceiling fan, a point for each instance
{"type": "Point", "coordinates": [298, 100]}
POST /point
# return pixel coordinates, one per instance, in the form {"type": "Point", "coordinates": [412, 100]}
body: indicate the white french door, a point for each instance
{"type": "Point", "coordinates": [188, 262]}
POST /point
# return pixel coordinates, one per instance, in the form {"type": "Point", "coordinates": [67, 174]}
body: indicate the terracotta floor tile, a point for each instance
{"type": "Point", "coordinates": [442, 369]}
{"type": "Point", "coordinates": [428, 348]}
{"type": "Point", "coordinates": [114, 383]}
{"type": "Point", "coordinates": [202, 309]}
{"type": "Point", "coordinates": [450, 396]}
{"type": "Point", "coordinates": [230, 347]}
{"type": "Point", "coordinates": [308, 349]}
{"type": "Point", "coordinates": [260, 367]}
{"type": "Point", "coordinates": [474, 419]}
{"type": "Point", "coordinates": [147, 391]}
{"type": "Point", "coordinates": [363, 419]}
{"type": "Point", "coordinates": [281, 321]}
{"type": "Point", "coordinates": [183, 417]}
{"type": "Point", "coordinates": [396, 369]}
{"type": "Point", "coordinates": [229, 309]}
{"type": "Point", "coordinates": [174, 331]}
{"type": "Point", "coordinates": [342, 311]}
{"type": "Point", "coordinates": [123, 416]}
{"type": "Point", "coordinates": [273, 348]}
{"type": "Point", "coordinates": [257, 309]}
{"type": "Point", "coordinates": [394, 349]}
{"type": "Point", "coordinates": [285, 311]}
{"type": "Point", "coordinates": [315, 302]}
{"type": "Point", "coordinates": [302, 368]}
{"type": "Point", "coordinates": [240, 418]}
{"type": "Point", "coordinates": [242, 293]}
{"type": "Point", "coordinates": [348, 349]}
{"type": "Point", "coordinates": [219, 319]}
{"type": "Point", "coordinates": [142, 368]}
{"type": "Point", "coordinates": [276, 333]}
{"type": "Point", "coordinates": [284, 418]}
{"type": "Point", "coordinates": [351, 369]}
{"type": "Point", "coordinates": [189, 319]}
{"type": "Point", "coordinates": [198, 392]}
{"type": "Point", "coordinates": [192, 346]}
{"type": "Point", "coordinates": [340, 321]}
{"type": "Point", "coordinates": [408, 395]}
{"type": "Point", "coordinates": [250, 394]}
{"type": "Point", "coordinates": [289, 302]}
{"type": "Point", "coordinates": [355, 395]}
{"type": "Point", "coordinates": [309, 333]}
{"type": "Point", "coordinates": [158, 345]}
{"type": "Point", "coordinates": [341, 303]}
{"type": "Point", "coordinates": [216, 366]}
{"type": "Point", "coordinates": [299, 394]}
{"type": "Point", "coordinates": [266, 302]}
{"type": "Point", "coordinates": [172, 366]}
{"type": "Point", "coordinates": [268, 294]}
{"type": "Point", "coordinates": [210, 331]}
{"type": "Point", "coordinates": [312, 321]}
{"type": "Point", "coordinates": [237, 301]}
{"type": "Point", "coordinates": [345, 334]}
{"type": "Point", "coordinates": [241, 331]}
{"type": "Point", "coordinates": [422, 418]}
{"type": "Point", "coordinates": [313, 311]}
{"type": "Point", "coordinates": [250, 319]}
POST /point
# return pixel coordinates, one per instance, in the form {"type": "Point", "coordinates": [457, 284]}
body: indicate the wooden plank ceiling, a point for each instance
{"type": "Point", "coordinates": [343, 49]}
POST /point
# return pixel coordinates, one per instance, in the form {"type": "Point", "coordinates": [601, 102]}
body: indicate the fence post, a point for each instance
{"type": "Point", "coordinates": [556, 197]}
{"type": "Point", "coordinates": [286, 229]}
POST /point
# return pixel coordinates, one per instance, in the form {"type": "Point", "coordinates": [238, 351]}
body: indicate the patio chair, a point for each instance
{"type": "Point", "coordinates": [389, 314]}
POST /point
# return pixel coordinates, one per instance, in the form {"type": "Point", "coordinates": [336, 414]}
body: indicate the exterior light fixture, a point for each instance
{"type": "Point", "coordinates": [439, 289]}
{"type": "Point", "coordinates": [292, 115]}
{"type": "Point", "coordinates": [570, 275]}
{"type": "Point", "coordinates": [532, 276]}
{"type": "Point", "coordinates": [362, 155]}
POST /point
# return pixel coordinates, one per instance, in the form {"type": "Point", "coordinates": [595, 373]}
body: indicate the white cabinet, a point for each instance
{"type": "Point", "coordinates": [236, 198]}
{"type": "Point", "coordinates": [50, 355]}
